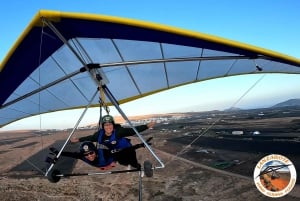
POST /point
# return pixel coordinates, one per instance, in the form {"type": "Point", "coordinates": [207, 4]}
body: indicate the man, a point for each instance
{"type": "Point", "coordinates": [103, 158]}
{"type": "Point", "coordinates": [113, 137]}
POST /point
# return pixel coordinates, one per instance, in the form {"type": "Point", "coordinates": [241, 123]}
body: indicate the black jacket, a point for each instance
{"type": "Point", "coordinates": [120, 132]}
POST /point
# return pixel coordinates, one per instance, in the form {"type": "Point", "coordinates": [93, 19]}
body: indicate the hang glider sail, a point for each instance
{"type": "Point", "coordinates": [54, 63]}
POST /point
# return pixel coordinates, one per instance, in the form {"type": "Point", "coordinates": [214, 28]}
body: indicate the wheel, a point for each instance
{"type": "Point", "coordinates": [148, 168]}
{"type": "Point", "coordinates": [52, 176]}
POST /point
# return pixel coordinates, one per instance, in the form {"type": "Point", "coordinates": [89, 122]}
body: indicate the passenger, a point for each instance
{"type": "Point", "coordinates": [103, 158]}
{"type": "Point", "coordinates": [113, 137]}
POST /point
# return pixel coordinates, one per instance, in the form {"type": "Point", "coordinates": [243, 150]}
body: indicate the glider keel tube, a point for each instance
{"type": "Point", "coordinates": [55, 175]}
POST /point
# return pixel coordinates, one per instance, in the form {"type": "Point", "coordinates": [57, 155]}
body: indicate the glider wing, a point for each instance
{"type": "Point", "coordinates": [52, 64]}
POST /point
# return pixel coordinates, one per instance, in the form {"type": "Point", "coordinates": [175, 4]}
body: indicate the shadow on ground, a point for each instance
{"type": "Point", "coordinates": [36, 164]}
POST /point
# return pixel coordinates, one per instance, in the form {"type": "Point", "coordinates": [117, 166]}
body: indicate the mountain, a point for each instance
{"type": "Point", "coordinates": [232, 109]}
{"type": "Point", "coordinates": [288, 103]}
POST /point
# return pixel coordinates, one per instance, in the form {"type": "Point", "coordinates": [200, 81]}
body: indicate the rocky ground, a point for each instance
{"type": "Point", "coordinates": [183, 179]}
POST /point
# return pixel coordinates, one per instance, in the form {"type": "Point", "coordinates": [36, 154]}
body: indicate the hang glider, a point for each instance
{"type": "Point", "coordinates": [55, 62]}
{"type": "Point", "coordinates": [273, 169]}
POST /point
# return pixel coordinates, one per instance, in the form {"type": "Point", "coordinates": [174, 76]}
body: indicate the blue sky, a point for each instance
{"type": "Point", "coordinates": [272, 24]}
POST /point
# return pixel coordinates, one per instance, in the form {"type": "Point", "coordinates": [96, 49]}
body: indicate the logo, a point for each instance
{"type": "Point", "coordinates": [275, 175]}
{"type": "Point", "coordinates": [86, 148]}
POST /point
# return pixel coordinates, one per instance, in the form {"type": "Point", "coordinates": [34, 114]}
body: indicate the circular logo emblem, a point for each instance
{"type": "Point", "coordinates": [86, 148]}
{"type": "Point", "coordinates": [275, 175]}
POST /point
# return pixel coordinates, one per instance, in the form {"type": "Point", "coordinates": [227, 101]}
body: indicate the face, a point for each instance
{"type": "Point", "coordinates": [108, 128]}
{"type": "Point", "coordinates": [91, 155]}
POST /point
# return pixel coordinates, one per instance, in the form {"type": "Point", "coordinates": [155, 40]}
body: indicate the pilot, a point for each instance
{"type": "Point", "coordinates": [113, 137]}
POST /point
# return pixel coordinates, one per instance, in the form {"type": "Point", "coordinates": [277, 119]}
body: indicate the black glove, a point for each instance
{"type": "Point", "coordinates": [53, 150]}
{"type": "Point", "coordinates": [147, 141]}
{"type": "Point", "coordinates": [51, 160]}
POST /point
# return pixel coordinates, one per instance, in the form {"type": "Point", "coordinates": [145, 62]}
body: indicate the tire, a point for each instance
{"type": "Point", "coordinates": [52, 176]}
{"type": "Point", "coordinates": [148, 168]}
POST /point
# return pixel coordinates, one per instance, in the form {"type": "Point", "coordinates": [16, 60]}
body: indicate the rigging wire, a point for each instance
{"type": "Point", "coordinates": [40, 57]}
{"type": "Point", "coordinates": [216, 121]}
{"type": "Point", "coordinates": [39, 105]}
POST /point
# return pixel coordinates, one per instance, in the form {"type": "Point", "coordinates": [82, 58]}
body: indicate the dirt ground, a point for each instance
{"type": "Point", "coordinates": [182, 179]}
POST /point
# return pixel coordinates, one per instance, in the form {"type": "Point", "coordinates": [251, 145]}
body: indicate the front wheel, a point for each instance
{"type": "Point", "coordinates": [52, 176]}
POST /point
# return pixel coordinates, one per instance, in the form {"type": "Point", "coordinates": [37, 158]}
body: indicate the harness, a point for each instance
{"type": "Point", "coordinates": [113, 144]}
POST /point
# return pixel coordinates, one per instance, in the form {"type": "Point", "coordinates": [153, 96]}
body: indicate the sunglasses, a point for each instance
{"type": "Point", "coordinates": [89, 153]}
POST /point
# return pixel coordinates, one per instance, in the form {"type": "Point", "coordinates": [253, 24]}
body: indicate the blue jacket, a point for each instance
{"type": "Point", "coordinates": [113, 142]}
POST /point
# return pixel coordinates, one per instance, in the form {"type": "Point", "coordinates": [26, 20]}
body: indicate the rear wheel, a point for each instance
{"type": "Point", "coordinates": [148, 168]}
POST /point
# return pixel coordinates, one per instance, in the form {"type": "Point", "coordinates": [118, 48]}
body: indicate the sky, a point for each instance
{"type": "Point", "coordinates": [271, 24]}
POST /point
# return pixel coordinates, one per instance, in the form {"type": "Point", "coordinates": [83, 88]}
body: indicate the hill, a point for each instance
{"type": "Point", "coordinates": [288, 103]}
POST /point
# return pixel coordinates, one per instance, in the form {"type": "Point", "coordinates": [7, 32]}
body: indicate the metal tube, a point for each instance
{"type": "Point", "coordinates": [178, 60]}
{"type": "Point", "coordinates": [115, 103]}
{"type": "Point", "coordinates": [140, 186]}
{"type": "Point", "coordinates": [96, 173]}
{"type": "Point", "coordinates": [40, 89]}
{"type": "Point", "coordinates": [75, 127]}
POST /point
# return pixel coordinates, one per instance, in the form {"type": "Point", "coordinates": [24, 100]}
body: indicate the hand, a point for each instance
{"type": "Point", "coordinates": [151, 124]}
{"type": "Point", "coordinates": [74, 140]}
{"type": "Point", "coordinates": [51, 160]}
{"type": "Point", "coordinates": [54, 150]}
{"type": "Point", "coordinates": [147, 141]}
{"type": "Point", "coordinates": [108, 167]}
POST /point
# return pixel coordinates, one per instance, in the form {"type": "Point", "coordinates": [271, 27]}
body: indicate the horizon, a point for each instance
{"type": "Point", "coordinates": [139, 116]}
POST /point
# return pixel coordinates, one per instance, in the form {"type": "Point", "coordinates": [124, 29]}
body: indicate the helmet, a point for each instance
{"type": "Point", "coordinates": [108, 119]}
{"type": "Point", "coordinates": [87, 146]}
